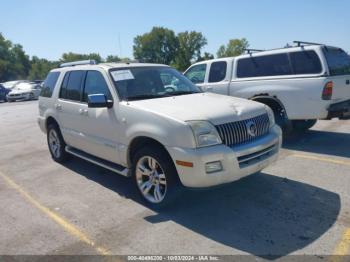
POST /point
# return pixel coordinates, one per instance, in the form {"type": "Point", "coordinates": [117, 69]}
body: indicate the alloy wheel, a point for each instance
{"type": "Point", "coordinates": [151, 179]}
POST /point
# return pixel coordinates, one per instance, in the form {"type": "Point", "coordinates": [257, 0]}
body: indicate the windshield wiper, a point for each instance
{"type": "Point", "coordinates": [140, 97]}
{"type": "Point", "coordinates": [178, 93]}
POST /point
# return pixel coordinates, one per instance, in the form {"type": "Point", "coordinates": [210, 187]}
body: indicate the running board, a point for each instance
{"type": "Point", "coordinates": [98, 161]}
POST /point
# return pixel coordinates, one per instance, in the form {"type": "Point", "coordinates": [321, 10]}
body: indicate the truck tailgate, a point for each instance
{"type": "Point", "coordinates": [341, 87]}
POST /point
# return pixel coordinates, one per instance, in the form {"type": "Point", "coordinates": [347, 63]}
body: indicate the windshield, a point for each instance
{"type": "Point", "coordinates": [338, 61]}
{"type": "Point", "coordinates": [23, 86]}
{"type": "Point", "coordinates": [151, 82]}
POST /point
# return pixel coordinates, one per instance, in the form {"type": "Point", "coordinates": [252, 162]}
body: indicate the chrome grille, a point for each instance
{"type": "Point", "coordinates": [236, 133]}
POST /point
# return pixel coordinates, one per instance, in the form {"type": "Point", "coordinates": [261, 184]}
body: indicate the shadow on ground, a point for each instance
{"type": "Point", "coordinates": [320, 142]}
{"type": "Point", "coordinates": [263, 215]}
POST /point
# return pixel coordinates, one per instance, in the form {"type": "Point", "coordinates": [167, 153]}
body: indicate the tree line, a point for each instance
{"type": "Point", "coordinates": [160, 45]}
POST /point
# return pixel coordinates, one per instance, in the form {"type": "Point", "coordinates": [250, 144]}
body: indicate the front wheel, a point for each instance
{"type": "Point", "coordinates": [156, 177]}
{"type": "Point", "coordinates": [31, 96]}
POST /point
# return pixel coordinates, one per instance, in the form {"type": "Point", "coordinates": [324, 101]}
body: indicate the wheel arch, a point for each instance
{"type": "Point", "coordinates": [51, 120]}
{"type": "Point", "coordinates": [142, 141]}
{"type": "Point", "coordinates": [272, 101]}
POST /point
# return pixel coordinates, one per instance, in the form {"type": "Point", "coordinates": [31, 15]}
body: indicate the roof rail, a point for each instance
{"type": "Point", "coordinates": [249, 50]}
{"type": "Point", "coordinates": [302, 43]}
{"type": "Point", "coordinates": [76, 63]}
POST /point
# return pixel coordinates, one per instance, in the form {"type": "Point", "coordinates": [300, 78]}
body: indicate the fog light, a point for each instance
{"type": "Point", "coordinates": [213, 167]}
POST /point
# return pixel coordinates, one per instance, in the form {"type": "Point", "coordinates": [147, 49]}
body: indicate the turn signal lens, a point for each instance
{"type": "Point", "coordinates": [327, 91]}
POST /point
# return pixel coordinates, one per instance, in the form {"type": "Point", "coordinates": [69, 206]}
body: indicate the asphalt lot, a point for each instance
{"type": "Point", "coordinates": [300, 205]}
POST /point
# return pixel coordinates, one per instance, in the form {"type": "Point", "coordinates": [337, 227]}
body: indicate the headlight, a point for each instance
{"type": "Point", "coordinates": [205, 133]}
{"type": "Point", "coordinates": [271, 115]}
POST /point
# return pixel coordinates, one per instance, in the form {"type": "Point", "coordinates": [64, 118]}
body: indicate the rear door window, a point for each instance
{"type": "Point", "coordinates": [217, 71]}
{"type": "Point", "coordinates": [72, 85]}
{"type": "Point", "coordinates": [305, 62]}
{"type": "Point", "coordinates": [269, 65]}
{"type": "Point", "coordinates": [197, 73]}
{"type": "Point", "coordinates": [338, 61]}
{"type": "Point", "coordinates": [49, 84]}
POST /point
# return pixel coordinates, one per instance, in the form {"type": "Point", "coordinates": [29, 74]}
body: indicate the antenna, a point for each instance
{"type": "Point", "coordinates": [120, 46]}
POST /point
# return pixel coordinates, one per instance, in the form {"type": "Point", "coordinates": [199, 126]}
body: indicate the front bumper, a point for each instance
{"type": "Point", "coordinates": [18, 97]}
{"type": "Point", "coordinates": [237, 162]}
{"type": "Point", "coordinates": [340, 110]}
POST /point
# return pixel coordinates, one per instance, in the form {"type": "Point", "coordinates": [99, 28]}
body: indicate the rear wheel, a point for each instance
{"type": "Point", "coordinates": [155, 176]}
{"type": "Point", "coordinates": [303, 125]}
{"type": "Point", "coordinates": [56, 143]}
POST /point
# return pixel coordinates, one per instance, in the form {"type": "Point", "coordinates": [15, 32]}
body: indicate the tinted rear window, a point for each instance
{"type": "Point", "coordinates": [270, 65]}
{"type": "Point", "coordinates": [49, 84]}
{"type": "Point", "coordinates": [217, 71]}
{"type": "Point", "coordinates": [305, 62]}
{"type": "Point", "coordinates": [71, 86]}
{"type": "Point", "coordinates": [338, 61]}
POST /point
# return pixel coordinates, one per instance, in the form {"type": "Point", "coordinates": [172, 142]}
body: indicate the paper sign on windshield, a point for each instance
{"type": "Point", "coordinates": [122, 75]}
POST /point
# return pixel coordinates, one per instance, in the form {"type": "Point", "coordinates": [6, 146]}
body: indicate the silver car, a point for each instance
{"type": "Point", "coordinates": [24, 91]}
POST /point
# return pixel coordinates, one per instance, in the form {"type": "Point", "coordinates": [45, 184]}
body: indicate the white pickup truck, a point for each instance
{"type": "Point", "coordinates": [150, 122]}
{"type": "Point", "coordinates": [301, 84]}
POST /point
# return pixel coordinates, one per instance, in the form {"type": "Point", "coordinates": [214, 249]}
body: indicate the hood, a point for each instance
{"type": "Point", "coordinates": [217, 109]}
{"type": "Point", "coordinates": [20, 91]}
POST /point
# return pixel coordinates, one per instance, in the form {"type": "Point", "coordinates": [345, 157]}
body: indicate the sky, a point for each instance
{"type": "Point", "coordinates": [48, 28]}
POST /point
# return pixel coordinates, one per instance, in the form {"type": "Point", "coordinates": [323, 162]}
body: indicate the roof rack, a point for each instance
{"type": "Point", "coordinates": [249, 50]}
{"type": "Point", "coordinates": [302, 43]}
{"type": "Point", "coordinates": [76, 63]}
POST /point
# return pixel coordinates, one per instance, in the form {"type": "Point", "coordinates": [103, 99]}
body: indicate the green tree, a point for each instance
{"type": "Point", "coordinates": [158, 46]}
{"type": "Point", "coordinates": [71, 57]}
{"type": "Point", "coordinates": [205, 56]}
{"type": "Point", "coordinates": [189, 49]}
{"type": "Point", "coordinates": [113, 59]}
{"type": "Point", "coordinates": [5, 59]}
{"type": "Point", "coordinates": [235, 47]}
{"type": "Point", "coordinates": [14, 63]}
{"type": "Point", "coordinates": [40, 68]}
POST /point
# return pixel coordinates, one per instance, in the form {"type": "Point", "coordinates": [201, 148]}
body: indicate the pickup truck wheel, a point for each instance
{"type": "Point", "coordinates": [303, 125]}
{"type": "Point", "coordinates": [283, 121]}
{"type": "Point", "coordinates": [156, 177]}
{"type": "Point", "coordinates": [56, 144]}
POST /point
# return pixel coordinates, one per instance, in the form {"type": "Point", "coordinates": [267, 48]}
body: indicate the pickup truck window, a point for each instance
{"type": "Point", "coordinates": [95, 84]}
{"type": "Point", "coordinates": [49, 84]}
{"type": "Point", "coordinates": [338, 61]}
{"type": "Point", "coordinates": [269, 65]}
{"type": "Point", "coordinates": [217, 71]}
{"type": "Point", "coordinates": [197, 73]}
{"type": "Point", "coordinates": [305, 62]}
{"type": "Point", "coordinates": [138, 83]}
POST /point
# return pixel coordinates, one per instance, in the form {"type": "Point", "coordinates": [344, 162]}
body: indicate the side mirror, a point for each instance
{"type": "Point", "coordinates": [99, 101]}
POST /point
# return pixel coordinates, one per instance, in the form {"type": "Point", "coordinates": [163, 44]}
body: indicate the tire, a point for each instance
{"type": "Point", "coordinates": [56, 144]}
{"type": "Point", "coordinates": [31, 96]}
{"type": "Point", "coordinates": [153, 169]}
{"type": "Point", "coordinates": [303, 125]}
{"type": "Point", "coordinates": [282, 121]}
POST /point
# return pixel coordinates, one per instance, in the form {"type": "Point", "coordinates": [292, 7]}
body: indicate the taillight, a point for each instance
{"type": "Point", "coordinates": [327, 91]}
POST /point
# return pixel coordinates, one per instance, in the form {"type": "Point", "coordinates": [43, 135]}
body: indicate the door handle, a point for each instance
{"type": "Point", "coordinates": [58, 107]}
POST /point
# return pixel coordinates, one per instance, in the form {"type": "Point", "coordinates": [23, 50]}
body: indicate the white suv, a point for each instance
{"type": "Point", "coordinates": [150, 122]}
{"type": "Point", "coordinates": [301, 84]}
